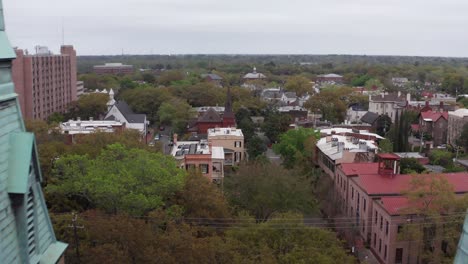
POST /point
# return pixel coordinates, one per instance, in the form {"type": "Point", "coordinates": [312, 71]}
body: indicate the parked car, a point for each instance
{"type": "Point", "coordinates": [161, 128]}
{"type": "Point", "coordinates": [157, 137]}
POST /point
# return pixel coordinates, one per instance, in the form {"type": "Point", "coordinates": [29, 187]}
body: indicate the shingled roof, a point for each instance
{"type": "Point", "coordinates": [210, 116]}
{"type": "Point", "coordinates": [370, 117]}
{"type": "Point", "coordinates": [129, 115]}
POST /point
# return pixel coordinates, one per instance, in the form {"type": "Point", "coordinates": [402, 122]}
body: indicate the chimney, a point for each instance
{"type": "Point", "coordinates": [408, 97]}
{"type": "Point", "coordinates": [341, 146]}
{"type": "Point", "coordinates": [441, 106]}
{"type": "Point", "coordinates": [174, 139]}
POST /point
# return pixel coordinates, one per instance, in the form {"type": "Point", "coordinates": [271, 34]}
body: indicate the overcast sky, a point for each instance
{"type": "Point", "coordinates": [371, 27]}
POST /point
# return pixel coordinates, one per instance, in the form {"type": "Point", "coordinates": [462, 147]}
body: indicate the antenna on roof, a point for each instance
{"type": "Point", "coordinates": [63, 33]}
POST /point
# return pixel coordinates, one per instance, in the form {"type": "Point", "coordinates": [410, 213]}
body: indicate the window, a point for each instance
{"type": "Point", "coordinates": [237, 144]}
{"type": "Point", "coordinates": [385, 252]}
{"type": "Point", "coordinates": [375, 218]}
{"type": "Point", "coordinates": [381, 222]}
{"type": "Point", "coordinates": [364, 204]}
{"type": "Point", "coordinates": [399, 255]}
{"type": "Point", "coordinates": [204, 168]}
{"type": "Point", "coordinates": [386, 227]}
{"type": "Point", "coordinates": [380, 245]}
{"type": "Point", "coordinates": [400, 229]}
{"type": "Point", "coordinates": [375, 239]}
{"type": "Point", "coordinates": [352, 193]}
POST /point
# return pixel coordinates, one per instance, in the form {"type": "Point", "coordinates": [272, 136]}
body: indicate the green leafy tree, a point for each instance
{"type": "Point", "coordinates": [441, 157]}
{"type": "Point", "coordinates": [119, 179]}
{"type": "Point", "coordinates": [146, 101]}
{"type": "Point", "coordinates": [431, 199]}
{"type": "Point", "coordinates": [297, 146]}
{"type": "Point", "coordinates": [275, 124]}
{"type": "Point", "coordinates": [361, 80]}
{"type": "Point", "coordinates": [89, 105]}
{"type": "Point", "coordinates": [411, 165]}
{"type": "Point", "coordinates": [285, 239]}
{"type": "Point", "coordinates": [55, 118]}
{"type": "Point", "coordinates": [176, 113]}
{"type": "Point", "coordinates": [332, 102]}
{"type": "Point", "coordinates": [167, 77]}
{"type": "Point", "coordinates": [299, 84]}
{"type": "Point", "coordinates": [256, 146]}
{"type": "Point", "coordinates": [386, 146]}
{"type": "Point", "coordinates": [266, 189]}
{"type": "Point", "coordinates": [200, 198]}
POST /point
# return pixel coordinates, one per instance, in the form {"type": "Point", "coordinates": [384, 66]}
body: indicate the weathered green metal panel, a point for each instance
{"type": "Point", "coordinates": [6, 52]}
{"type": "Point", "coordinates": [462, 252]}
{"type": "Point", "coordinates": [19, 162]}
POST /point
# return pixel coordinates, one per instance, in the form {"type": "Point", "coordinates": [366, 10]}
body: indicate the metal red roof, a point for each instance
{"type": "Point", "coordinates": [350, 169]}
{"type": "Point", "coordinates": [394, 205]}
{"type": "Point", "coordinates": [374, 184]}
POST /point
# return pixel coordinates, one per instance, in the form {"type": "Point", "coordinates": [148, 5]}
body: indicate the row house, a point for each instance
{"type": "Point", "coordinates": [232, 142]}
{"type": "Point", "coordinates": [433, 126]}
{"type": "Point", "coordinates": [199, 155]}
{"type": "Point", "coordinates": [370, 194]}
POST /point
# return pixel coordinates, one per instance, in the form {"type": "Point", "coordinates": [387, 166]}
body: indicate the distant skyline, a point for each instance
{"type": "Point", "coordinates": [357, 27]}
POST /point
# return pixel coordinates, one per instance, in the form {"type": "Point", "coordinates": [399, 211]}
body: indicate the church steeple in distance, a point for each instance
{"type": "Point", "coordinates": [229, 119]}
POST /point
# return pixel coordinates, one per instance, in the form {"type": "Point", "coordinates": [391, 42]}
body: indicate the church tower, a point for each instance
{"type": "Point", "coordinates": [229, 119]}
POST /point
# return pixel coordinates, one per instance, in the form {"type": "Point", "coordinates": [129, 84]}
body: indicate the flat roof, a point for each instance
{"type": "Point", "coordinates": [224, 131]}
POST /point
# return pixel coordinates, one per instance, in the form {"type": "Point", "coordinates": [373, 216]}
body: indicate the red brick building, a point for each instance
{"type": "Point", "coordinates": [211, 119]}
{"type": "Point", "coordinates": [45, 83]}
{"type": "Point", "coordinates": [370, 195]}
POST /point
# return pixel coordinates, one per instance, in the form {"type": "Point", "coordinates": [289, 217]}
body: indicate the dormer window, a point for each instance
{"type": "Point", "coordinates": [5, 73]}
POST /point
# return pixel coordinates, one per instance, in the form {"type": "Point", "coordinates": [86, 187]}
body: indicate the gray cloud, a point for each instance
{"type": "Point", "coordinates": [391, 27]}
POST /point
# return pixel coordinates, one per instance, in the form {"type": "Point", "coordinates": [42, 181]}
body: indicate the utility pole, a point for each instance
{"type": "Point", "coordinates": [75, 234]}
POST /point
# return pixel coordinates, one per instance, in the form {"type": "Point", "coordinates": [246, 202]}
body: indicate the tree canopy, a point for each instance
{"type": "Point", "coordinates": [266, 189]}
{"type": "Point", "coordinates": [119, 179]}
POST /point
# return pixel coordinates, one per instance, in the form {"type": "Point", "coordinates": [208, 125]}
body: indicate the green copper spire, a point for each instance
{"type": "Point", "coordinates": [2, 22]}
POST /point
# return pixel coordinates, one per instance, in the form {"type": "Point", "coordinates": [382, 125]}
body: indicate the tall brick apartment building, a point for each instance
{"type": "Point", "coordinates": [45, 82]}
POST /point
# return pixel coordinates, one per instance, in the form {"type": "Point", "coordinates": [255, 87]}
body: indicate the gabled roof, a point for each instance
{"type": "Point", "coordinates": [369, 117]}
{"type": "Point", "coordinates": [212, 76]}
{"type": "Point", "coordinates": [21, 154]}
{"type": "Point", "coordinates": [391, 97]}
{"type": "Point", "coordinates": [433, 116]}
{"type": "Point", "coordinates": [254, 75]}
{"type": "Point", "coordinates": [210, 116]}
{"type": "Point", "coordinates": [330, 75]}
{"type": "Point", "coordinates": [129, 115]}
{"type": "Point", "coordinates": [291, 95]}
